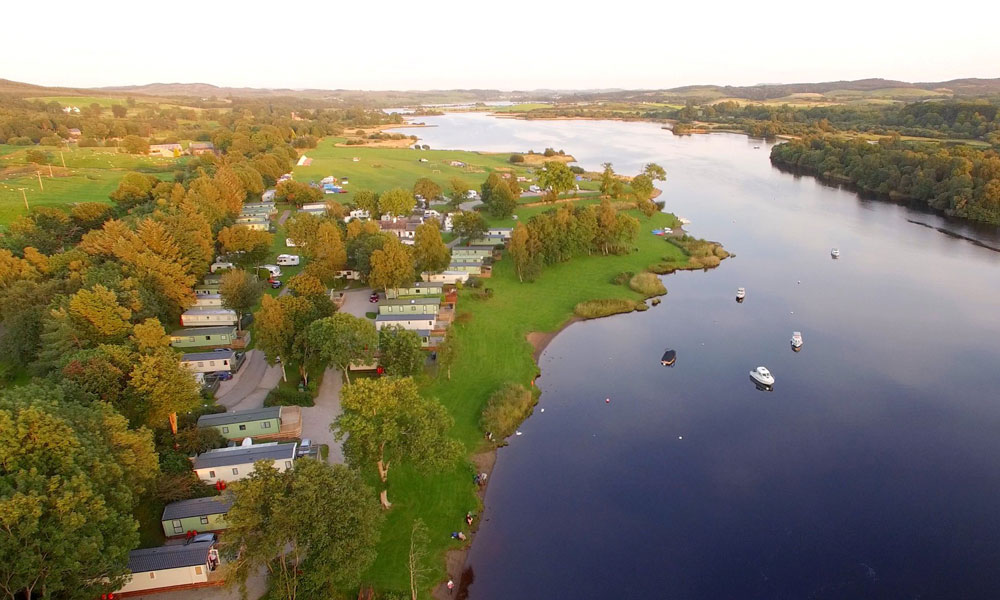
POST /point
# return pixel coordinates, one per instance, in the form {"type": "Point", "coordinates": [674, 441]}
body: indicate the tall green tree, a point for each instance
{"type": "Point", "coordinates": [468, 225]}
{"type": "Point", "coordinates": [165, 386]}
{"type": "Point", "coordinates": [447, 353]}
{"type": "Point", "coordinates": [313, 528]}
{"type": "Point", "coordinates": [426, 189]}
{"type": "Point", "coordinates": [367, 200]}
{"type": "Point", "coordinates": [457, 192]}
{"type": "Point", "coordinates": [642, 187]}
{"type": "Point", "coordinates": [399, 351]}
{"type": "Point", "coordinates": [387, 420]}
{"type": "Point", "coordinates": [556, 179]}
{"type": "Point", "coordinates": [342, 340]}
{"type": "Point", "coordinates": [391, 266]}
{"type": "Point", "coordinates": [240, 292]}
{"type": "Point", "coordinates": [608, 179]}
{"type": "Point", "coordinates": [70, 476]}
{"type": "Point", "coordinates": [397, 202]}
{"type": "Point", "coordinates": [281, 329]}
{"type": "Point", "coordinates": [430, 253]}
{"type": "Point", "coordinates": [654, 172]}
{"type": "Point", "coordinates": [502, 202]}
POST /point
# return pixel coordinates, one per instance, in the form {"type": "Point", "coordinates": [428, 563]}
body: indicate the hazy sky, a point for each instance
{"type": "Point", "coordinates": [431, 44]}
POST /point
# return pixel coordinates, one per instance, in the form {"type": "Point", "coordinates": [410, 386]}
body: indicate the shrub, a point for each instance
{"type": "Point", "coordinates": [88, 142]}
{"type": "Point", "coordinates": [51, 140]}
{"type": "Point", "coordinates": [516, 158]}
{"type": "Point", "coordinates": [549, 152]}
{"type": "Point", "coordinates": [19, 141]}
{"type": "Point", "coordinates": [593, 309]}
{"type": "Point", "coordinates": [663, 268]}
{"type": "Point", "coordinates": [647, 284]}
{"type": "Point", "coordinates": [195, 440]}
{"type": "Point", "coordinates": [280, 396]}
{"type": "Point", "coordinates": [576, 170]}
{"type": "Point", "coordinates": [622, 278]}
{"type": "Point", "coordinates": [37, 156]}
{"type": "Point", "coordinates": [506, 409]}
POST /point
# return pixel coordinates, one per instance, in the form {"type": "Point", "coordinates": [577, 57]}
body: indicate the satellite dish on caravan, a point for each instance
{"type": "Point", "coordinates": [247, 442]}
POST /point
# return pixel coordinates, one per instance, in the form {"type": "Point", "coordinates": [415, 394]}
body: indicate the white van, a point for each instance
{"type": "Point", "coordinates": [275, 270]}
{"type": "Point", "coordinates": [289, 243]}
{"type": "Point", "coordinates": [221, 266]}
{"type": "Point", "coordinates": [288, 259]}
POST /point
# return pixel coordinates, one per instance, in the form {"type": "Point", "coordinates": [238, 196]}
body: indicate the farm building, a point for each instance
{"type": "Point", "coordinates": [198, 317]}
{"type": "Point", "coordinates": [208, 300]}
{"type": "Point", "coordinates": [266, 422]}
{"type": "Point", "coordinates": [198, 148]}
{"type": "Point", "coordinates": [165, 150]}
{"type": "Point", "coordinates": [414, 322]}
{"type": "Point", "coordinates": [420, 288]}
{"type": "Point", "coordinates": [233, 464]}
{"type": "Point", "coordinates": [210, 362]}
{"type": "Point", "coordinates": [410, 306]}
{"type": "Point", "coordinates": [195, 337]}
{"type": "Point", "coordinates": [198, 514]}
{"type": "Point", "coordinates": [176, 567]}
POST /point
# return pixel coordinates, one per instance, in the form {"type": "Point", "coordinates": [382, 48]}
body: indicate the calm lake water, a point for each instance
{"type": "Point", "coordinates": [871, 471]}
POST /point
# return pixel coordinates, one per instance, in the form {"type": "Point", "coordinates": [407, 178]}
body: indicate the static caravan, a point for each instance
{"type": "Point", "coordinates": [471, 252]}
{"type": "Point", "coordinates": [175, 567]}
{"type": "Point", "coordinates": [503, 232]}
{"type": "Point", "coordinates": [449, 277]}
{"type": "Point", "coordinates": [195, 337]}
{"type": "Point", "coordinates": [489, 240]}
{"type": "Point", "coordinates": [209, 362]}
{"type": "Point", "coordinates": [268, 195]}
{"type": "Point", "coordinates": [260, 225]}
{"type": "Point", "coordinates": [208, 317]}
{"type": "Point", "coordinates": [413, 322]}
{"type": "Point", "coordinates": [289, 260]}
{"type": "Point", "coordinates": [410, 306]}
{"type": "Point", "coordinates": [470, 266]}
{"type": "Point", "coordinates": [312, 206]}
{"type": "Point", "coordinates": [208, 300]}
{"type": "Point", "coordinates": [198, 514]}
{"type": "Point", "coordinates": [274, 270]}
{"type": "Point", "coordinates": [221, 266]}
{"type": "Point", "coordinates": [420, 288]}
{"type": "Point", "coordinates": [289, 243]}
{"type": "Point", "coordinates": [206, 289]}
{"type": "Point", "coordinates": [233, 464]}
{"type": "Point", "coordinates": [241, 424]}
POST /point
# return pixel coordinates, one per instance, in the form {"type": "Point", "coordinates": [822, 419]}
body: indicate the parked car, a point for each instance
{"type": "Point", "coordinates": [222, 350]}
{"type": "Point", "coordinates": [304, 447]}
{"type": "Point", "coordinates": [373, 297]}
{"type": "Point", "coordinates": [275, 283]}
{"type": "Point", "coordinates": [223, 375]}
{"type": "Point", "coordinates": [201, 537]}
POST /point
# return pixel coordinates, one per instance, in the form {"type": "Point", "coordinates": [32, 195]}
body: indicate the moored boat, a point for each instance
{"type": "Point", "coordinates": [762, 377]}
{"type": "Point", "coordinates": [741, 293]}
{"type": "Point", "coordinates": [835, 253]}
{"type": "Point", "coordinates": [796, 341]}
{"type": "Point", "coordinates": [669, 358]}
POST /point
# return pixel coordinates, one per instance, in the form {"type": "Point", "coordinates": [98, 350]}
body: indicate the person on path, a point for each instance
{"type": "Point", "coordinates": [451, 587]}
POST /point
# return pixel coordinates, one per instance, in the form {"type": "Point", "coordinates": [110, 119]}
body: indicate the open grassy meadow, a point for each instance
{"type": "Point", "coordinates": [89, 175]}
{"type": "Point", "coordinates": [381, 169]}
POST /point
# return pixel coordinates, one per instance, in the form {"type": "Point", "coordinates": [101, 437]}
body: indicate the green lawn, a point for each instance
{"type": "Point", "coordinates": [492, 332]}
{"type": "Point", "coordinates": [91, 174]}
{"type": "Point", "coordinates": [380, 169]}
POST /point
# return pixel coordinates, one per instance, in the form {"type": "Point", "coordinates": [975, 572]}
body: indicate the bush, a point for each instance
{"type": "Point", "coordinates": [51, 140]}
{"type": "Point", "coordinates": [647, 284]}
{"type": "Point", "coordinates": [507, 408]}
{"type": "Point", "coordinates": [88, 142]}
{"type": "Point", "coordinates": [516, 158]}
{"type": "Point", "coordinates": [37, 156]}
{"type": "Point", "coordinates": [622, 278]}
{"type": "Point", "coordinates": [593, 309]}
{"type": "Point", "coordinates": [283, 396]}
{"type": "Point", "coordinates": [19, 141]}
{"type": "Point", "coordinates": [549, 152]}
{"type": "Point", "coordinates": [577, 170]}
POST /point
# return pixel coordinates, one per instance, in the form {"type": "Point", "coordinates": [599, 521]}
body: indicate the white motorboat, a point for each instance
{"type": "Point", "coordinates": [762, 376]}
{"type": "Point", "coordinates": [796, 341]}
{"type": "Point", "coordinates": [741, 293]}
{"type": "Point", "coordinates": [835, 253]}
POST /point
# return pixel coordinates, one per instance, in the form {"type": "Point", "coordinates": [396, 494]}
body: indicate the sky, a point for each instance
{"type": "Point", "coordinates": [444, 44]}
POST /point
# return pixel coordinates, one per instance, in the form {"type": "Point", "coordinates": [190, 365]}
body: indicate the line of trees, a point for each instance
{"type": "Point", "coordinates": [560, 234]}
{"type": "Point", "coordinates": [959, 180]}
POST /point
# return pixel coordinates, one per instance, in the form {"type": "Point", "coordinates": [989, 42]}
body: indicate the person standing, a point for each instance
{"type": "Point", "coordinates": [451, 587]}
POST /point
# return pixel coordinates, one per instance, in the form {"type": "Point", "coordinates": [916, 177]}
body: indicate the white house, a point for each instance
{"type": "Point", "coordinates": [413, 322]}
{"type": "Point", "coordinates": [209, 362]}
{"type": "Point", "coordinates": [233, 464]}
{"type": "Point", "coordinates": [175, 567]}
{"type": "Point", "coordinates": [357, 213]}
{"type": "Point", "coordinates": [195, 317]}
{"type": "Point", "coordinates": [451, 277]}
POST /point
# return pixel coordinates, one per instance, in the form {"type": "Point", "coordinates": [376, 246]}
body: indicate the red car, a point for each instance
{"type": "Point", "coordinates": [373, 297]}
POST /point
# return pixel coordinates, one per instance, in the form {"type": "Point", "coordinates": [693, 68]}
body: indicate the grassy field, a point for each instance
{"type": "Point", "coordinates": [90, 175]}
{"type": "Point", "coordinates": [380, 169]}
{"type": "Point", "coordinates": [493, 332]}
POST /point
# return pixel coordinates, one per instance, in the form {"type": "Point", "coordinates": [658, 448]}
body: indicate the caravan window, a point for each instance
{"type": "Point", "coordinates": [178, 528]}
{"type": "Point", "coordinates": [211, 474]}
{"type": "Point", "coordinates": [204, 520]}
{"type": "Point", "coordinates": [243, 427]}
{"type": "Point", "coordinates": [225, 430]}
{"type": "Point", "coordinates": [266, 425]}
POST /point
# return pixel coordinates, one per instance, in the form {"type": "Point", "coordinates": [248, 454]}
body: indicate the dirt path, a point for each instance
{"type": "Point", "coordinates": [316, 419]}
{"type": "Point", "coordinates": [284, 217]}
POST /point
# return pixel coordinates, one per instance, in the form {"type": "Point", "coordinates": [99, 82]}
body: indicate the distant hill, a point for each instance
{"type": "Point", "coordinates": [769, 91]}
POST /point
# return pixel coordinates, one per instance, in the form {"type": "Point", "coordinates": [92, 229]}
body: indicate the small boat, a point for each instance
{"type": "Point", "coordinates": [835, 253]}
{"type": "Point", "coordinates": [796, 341]}
{"type": "Point", "coordinates": [669, 358]}
{"type": "Point", "coordinates": [762, 376]}
{"type": "Point", "coordinates": [741, 293]}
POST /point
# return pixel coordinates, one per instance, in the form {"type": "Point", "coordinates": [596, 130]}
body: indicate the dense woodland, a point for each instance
{"type": "Point", "coordinates": [959, 180]}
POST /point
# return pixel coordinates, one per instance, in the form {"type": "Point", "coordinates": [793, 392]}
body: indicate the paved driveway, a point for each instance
{"type": "Point", "coordinates": [248, 388]}
{"type": "Point", "coordinates": [356, 302]}
{"type": "Point", "coordinates": [316, 419]}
